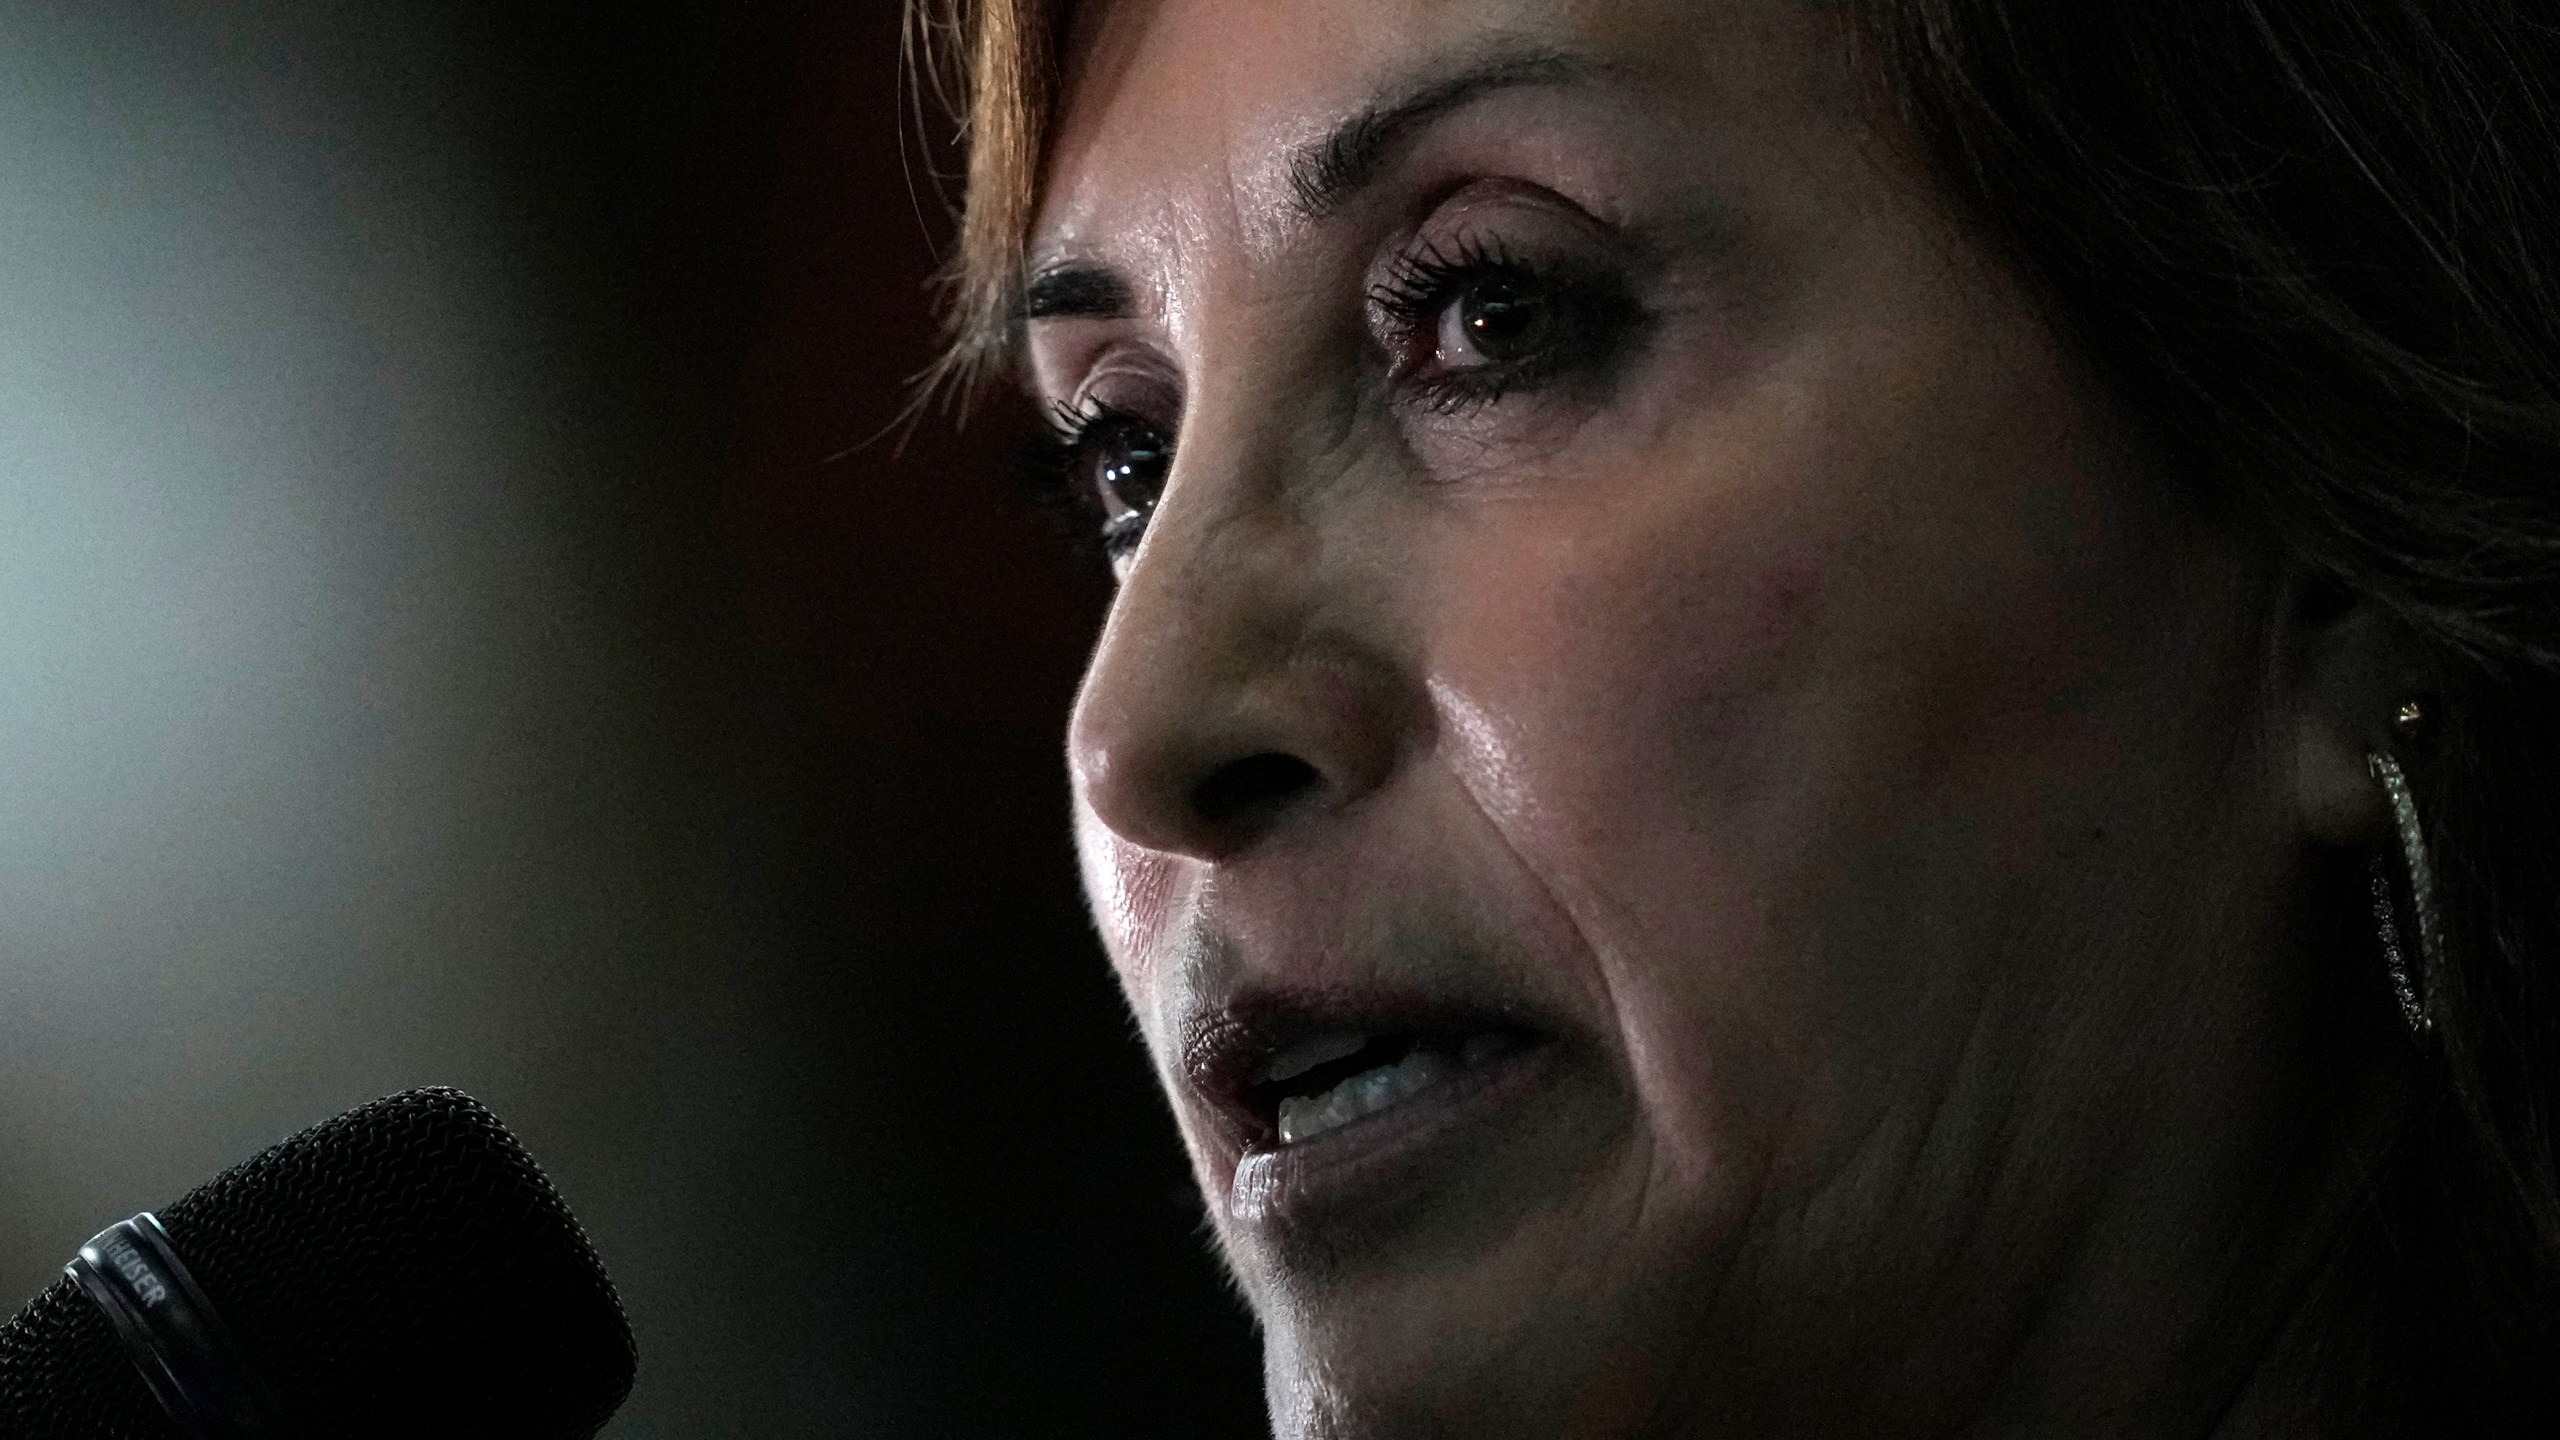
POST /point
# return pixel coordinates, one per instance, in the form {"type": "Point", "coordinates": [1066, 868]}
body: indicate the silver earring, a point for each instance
{"type": "Point", "coordinates": [2422, 890]}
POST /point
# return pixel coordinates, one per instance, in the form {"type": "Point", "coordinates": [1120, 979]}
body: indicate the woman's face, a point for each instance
{"type": "Point", "coordinates": [1683, 822]}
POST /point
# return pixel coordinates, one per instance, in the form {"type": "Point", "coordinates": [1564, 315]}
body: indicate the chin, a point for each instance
{"type": "Point", "coordinates": [1484, 1255]}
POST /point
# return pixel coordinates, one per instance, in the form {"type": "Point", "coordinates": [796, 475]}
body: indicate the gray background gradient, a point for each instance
{"type": "Point", "coordinates": [444, 640]}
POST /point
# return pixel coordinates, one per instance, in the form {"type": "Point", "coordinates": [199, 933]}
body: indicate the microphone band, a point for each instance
{"type": "Point", "coordinates": [132, 1272]}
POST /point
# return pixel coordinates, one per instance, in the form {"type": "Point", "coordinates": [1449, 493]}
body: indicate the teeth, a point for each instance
{"type": "Point", "coordinates": [1303, 1117]}
{"type": "Point", "coordinates": [1298, 1059]}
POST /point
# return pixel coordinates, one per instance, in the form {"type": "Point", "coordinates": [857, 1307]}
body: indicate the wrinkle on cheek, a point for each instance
{"type": "Point", "coordinates": [1673, 1066]}
{"type": "Point", "coordinates": [1625, 774]}
{"type": "Point", "coordinates": [1697, 1060]}
{"type": "Point", "coordinates": [1481, 753]}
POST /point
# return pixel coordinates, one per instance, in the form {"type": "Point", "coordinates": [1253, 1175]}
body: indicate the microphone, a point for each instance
{"type": "Point", "coordinates": [404, 1270]}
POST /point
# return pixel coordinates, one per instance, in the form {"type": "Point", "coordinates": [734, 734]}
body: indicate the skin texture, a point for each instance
{"type": "Point", "coordinates": [1890, 808]}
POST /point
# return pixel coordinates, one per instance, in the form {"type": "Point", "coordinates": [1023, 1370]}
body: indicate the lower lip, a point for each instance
{"type": "Point", "coordinates": [1280, 1187]}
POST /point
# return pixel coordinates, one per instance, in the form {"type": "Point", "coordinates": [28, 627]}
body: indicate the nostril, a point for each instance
{"type": "Point", "coordinates": [1248, 795]}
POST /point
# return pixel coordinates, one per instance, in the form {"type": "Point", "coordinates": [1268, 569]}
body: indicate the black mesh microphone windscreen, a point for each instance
{"type": "Point", "coordinates": [404, 1270]}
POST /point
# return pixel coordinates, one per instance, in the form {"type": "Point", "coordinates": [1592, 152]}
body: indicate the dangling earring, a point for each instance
{"type": "Point", "coordinates": [2422, 886]}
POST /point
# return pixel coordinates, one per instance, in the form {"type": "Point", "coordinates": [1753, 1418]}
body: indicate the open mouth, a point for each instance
{"type": "Point", "coordinates": [1293, 1084]}
{"type": "Point", "coordinates": [1334, 1124]}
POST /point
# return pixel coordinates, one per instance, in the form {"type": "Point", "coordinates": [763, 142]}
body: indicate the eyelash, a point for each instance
{"type": "Point", "coordinates": [1593, 307]}
{"type": "Point", "coordinates": [1422, 283]}
{"type": "Point", "coordinates": [1046, 470]}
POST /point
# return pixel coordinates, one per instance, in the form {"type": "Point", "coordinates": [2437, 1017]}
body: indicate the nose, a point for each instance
{"type": "Point", "coordinates": [1236, 689]}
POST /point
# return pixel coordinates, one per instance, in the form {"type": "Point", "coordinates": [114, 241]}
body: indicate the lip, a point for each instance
{"type": "Point", "coordinates": [1376, 1172]}
{"type": "Point", "coordinates": [1282, 1187]}
{"type": "Point", "coordinates": [1223, 1050]}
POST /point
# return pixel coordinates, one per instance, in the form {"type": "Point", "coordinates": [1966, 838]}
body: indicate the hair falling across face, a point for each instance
{"type": "Point", "coordinates": [1699, 843]}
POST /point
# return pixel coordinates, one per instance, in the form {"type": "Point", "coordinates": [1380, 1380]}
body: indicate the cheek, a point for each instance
{"type": "Point", "coordinates": [1597, 704]}
{"type": "Point", "coordinates": [1694, 701]}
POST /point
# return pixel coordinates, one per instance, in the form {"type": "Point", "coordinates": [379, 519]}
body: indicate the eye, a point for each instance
{"type": "Point", "coordinates": [1467, 325]}
{"type": "Point", "coordinates": [1106, 466]}
{"type": "Point", "coordinates": [1122, 461]}
{"type": "Point", "coordinates": [1497, 320]}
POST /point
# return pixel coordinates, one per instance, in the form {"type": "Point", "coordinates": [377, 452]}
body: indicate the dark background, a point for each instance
{"type": "Point", "coordinates": [453, 630]}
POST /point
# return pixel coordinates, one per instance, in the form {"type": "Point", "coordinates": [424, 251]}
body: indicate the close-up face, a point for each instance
{"type": "Point", "coordinates": [1685, 814]}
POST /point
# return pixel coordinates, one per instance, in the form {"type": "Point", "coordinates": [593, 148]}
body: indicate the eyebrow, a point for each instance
{"type": "Point", "coordinates": [1328, 173]}
{"type": "Point", "coordinates": [1324, 175]}
{"type": "Point", "coordinates": [1077, 291]}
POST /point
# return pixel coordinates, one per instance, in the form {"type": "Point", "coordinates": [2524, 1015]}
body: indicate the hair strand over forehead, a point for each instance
{"type": "Point", "coordinates": [991, 64]}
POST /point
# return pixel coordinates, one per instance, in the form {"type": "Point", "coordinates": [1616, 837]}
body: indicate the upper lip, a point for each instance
{"type": "Point", "coordinates": [1242, 1055]}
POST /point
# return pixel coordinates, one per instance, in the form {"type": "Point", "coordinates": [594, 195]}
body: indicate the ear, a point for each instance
{"type": "Point", "coordinates": [2345, 669]}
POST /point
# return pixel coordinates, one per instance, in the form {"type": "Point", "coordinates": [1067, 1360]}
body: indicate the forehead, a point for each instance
{"type": "Point", "coordinates": [1184, 119]}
